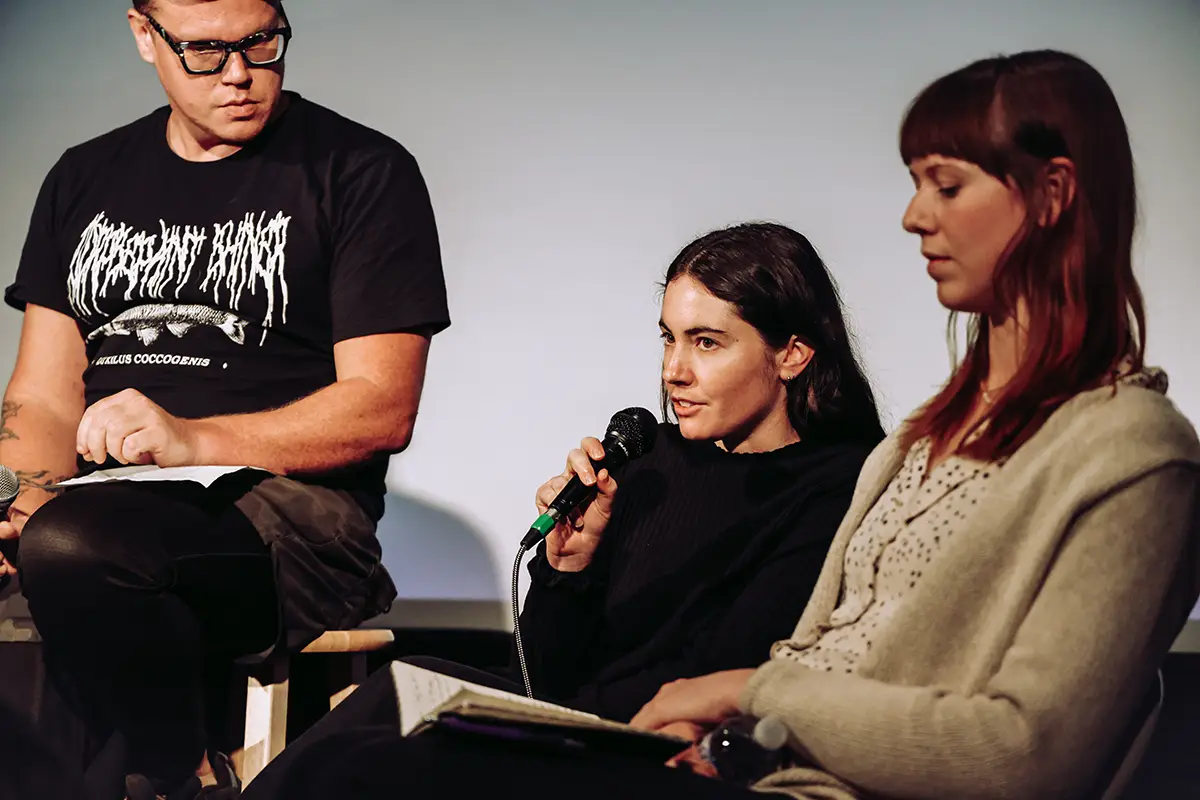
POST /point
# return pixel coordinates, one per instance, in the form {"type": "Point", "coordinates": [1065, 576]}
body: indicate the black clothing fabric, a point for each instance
{"type": "Point", "coordinates": [356, 751]}
{"type": "Point", "coordinates": [133, 587]}
{"type": "Point", "coordinates": [216, 288]}
{"type": "Point", "coordinates": [32, 769]}
{"type": "Point", "coordinates": [708, 559]}
{"type": "Point", "coordinates": [221, 287]}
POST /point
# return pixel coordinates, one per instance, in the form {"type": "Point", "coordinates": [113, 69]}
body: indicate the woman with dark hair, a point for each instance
{"type": "Point", "coordinates": [701, 553]}
{"type": "Point", "coordinates": [1019, 554]}
{"type": "Point", "coordinates": [1022, 552]}
{"type": "Point", "coordinates": [707, 552]}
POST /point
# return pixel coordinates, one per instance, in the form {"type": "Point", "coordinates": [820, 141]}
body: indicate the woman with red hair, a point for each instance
{"type": "Point", "coordinates": [1019, 555]}
{"type": "Point", "coordinates": [1022, 551]}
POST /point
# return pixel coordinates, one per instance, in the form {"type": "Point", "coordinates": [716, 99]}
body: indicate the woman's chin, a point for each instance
{"type": "Point", "coordinates": [955, 297]}
{"type": "Point", "coordinates": [697, 430]}
{"type": "Point", "coordinates": [692, 428]}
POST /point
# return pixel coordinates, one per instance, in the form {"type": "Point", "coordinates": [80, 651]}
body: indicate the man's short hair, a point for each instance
{"type": "Point", "coordinates": [145, 6]}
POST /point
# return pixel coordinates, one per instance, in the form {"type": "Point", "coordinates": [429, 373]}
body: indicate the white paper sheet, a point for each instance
{"type": "Point", "coordinates": [152, 472]}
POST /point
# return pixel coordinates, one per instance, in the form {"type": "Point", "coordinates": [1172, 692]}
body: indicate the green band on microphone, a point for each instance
{"type": "Point", "coordinates": [543, 524]}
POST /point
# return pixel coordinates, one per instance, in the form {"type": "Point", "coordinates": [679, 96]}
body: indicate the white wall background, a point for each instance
{"type": "Point", "coordinates": [572, 147]}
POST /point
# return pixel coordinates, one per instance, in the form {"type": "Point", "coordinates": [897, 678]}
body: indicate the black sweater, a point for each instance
{"type": "Point", "coordinates": [708, 559]}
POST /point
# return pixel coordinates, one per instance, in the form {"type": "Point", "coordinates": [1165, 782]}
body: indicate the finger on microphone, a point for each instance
{"type": "Point", "coordinates": [593, 447]}
{"type": "Point", "coordinates": [545, 494]}
{"type": "Point", "coordinates": [606, 492]}
{"type": "Point", "coordinates": [604, 482]}
{"type": "Point", "coordinates": [582, 466]}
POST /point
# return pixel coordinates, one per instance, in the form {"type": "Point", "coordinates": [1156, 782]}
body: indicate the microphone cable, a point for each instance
{"type": "Point", "coordinates": [517, 620]}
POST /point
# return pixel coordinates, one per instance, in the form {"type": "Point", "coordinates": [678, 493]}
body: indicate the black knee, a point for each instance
{"type": "Point", "coordinates": [67, 547]}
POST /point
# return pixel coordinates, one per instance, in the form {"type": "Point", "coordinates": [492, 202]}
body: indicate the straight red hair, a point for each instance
{"type": "Point", "coordinates": [1011, 115]}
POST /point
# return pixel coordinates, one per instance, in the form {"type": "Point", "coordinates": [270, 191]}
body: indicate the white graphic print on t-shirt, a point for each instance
{"type": "Point", "coordinates": [148, 321]}
{"type": "Point", "coordinates": [244, 256]}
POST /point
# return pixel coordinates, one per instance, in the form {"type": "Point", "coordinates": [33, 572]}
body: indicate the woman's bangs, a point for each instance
{"type": "Point", "coordinates": [955, 118]}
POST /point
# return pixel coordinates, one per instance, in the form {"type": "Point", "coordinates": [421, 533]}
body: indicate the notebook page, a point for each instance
{"type": "Point", "coordinates": [420, 692]}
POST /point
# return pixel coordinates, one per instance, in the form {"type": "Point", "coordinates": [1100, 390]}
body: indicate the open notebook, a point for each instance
{"type": "Point", "coordinates": [429, 699]}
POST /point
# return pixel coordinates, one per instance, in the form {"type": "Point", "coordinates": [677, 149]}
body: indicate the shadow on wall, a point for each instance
{"type": "Point", "coordinates": [444, 572]}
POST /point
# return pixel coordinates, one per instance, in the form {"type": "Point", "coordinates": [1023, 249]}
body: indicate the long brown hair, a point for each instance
{"type": "Point", "coordinates": [1011, 115]}
{"type": "Point", "coordinates": [778, 283]}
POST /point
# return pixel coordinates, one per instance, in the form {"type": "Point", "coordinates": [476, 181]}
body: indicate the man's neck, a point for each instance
{"type": "Point", "coordinates": [191, 144]}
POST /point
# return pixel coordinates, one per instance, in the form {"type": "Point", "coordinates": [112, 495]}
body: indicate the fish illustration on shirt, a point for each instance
{"type": "Point", "coordinates": [149, 321]}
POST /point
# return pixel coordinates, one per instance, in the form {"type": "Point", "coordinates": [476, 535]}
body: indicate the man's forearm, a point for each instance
{"type": "Point", "coordinates": [37, 442]}
{"type": "Point", "coordinates": [342, 424]}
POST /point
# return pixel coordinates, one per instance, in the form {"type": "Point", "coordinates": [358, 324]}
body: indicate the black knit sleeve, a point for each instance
{"type": "Point", "coordinates": [562, 617]}
{"type": "Point", "coordinates": [558, 621]}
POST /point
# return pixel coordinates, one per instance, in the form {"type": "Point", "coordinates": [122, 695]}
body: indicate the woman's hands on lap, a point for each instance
{"type": "Point", "coordinates": [704, 702]}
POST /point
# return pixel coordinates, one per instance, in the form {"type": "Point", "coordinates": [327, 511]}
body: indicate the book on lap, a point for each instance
{"type": "Point", "coordinates": [429, 700]}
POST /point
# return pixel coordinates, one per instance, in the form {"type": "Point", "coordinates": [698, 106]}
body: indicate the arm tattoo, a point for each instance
{"type": "Point", "coordinates": [7, 411]}
{"type": "Point", "coordinates": [28, 479]}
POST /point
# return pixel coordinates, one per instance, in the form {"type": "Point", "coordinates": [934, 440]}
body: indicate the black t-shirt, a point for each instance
{"type": "Point", "coordinates": [221, 287]}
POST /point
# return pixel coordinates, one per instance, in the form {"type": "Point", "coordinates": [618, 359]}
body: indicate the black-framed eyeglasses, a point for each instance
{"type": "Point", "coordinates": [209, 57]}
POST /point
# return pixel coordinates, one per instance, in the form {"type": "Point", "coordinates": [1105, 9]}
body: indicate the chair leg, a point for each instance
{"type": "Point", "coordinates": [358, 674]}
{"type": "Point", "coordinates": [266, 720]}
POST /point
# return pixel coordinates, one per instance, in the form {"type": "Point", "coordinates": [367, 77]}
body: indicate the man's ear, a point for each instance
{"type": "Point", "coordinates": [143, 36]}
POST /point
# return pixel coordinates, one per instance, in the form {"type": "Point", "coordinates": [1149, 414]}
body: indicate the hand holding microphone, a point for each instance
{"type": "Point", "coordinates": [572, 536]}
{"type": "Point", "coordinates": [575, 506]}
{"type": "Point", "coordinates": [573, 542]}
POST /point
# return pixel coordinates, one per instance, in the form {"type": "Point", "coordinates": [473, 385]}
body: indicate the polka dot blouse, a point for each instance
{"type": "Point", "coordinates": [898, 540]}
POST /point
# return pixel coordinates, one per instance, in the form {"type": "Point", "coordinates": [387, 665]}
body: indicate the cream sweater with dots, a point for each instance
{"type": "Point", "coordinates": [1017, 661]}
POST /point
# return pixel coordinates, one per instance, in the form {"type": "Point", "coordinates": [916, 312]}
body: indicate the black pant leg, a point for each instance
{"type": "Point", "coordinates": [505, 682]}
{"type": "Point", "coordinates": [132, 586]}
{"type": "Point", "coordinates": [373, 705]}
{"type": "Point", "coordinates": [374, 763]}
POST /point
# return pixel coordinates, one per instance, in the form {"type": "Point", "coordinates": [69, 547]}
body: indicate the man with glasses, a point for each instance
{"type": "Point", "coordinates": [245, 281]}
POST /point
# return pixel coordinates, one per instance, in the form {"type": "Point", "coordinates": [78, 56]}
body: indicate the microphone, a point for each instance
{"type": "Point", "coordinates": [630, 435]}
{"type": "Point", "coordinates": [9, 487]}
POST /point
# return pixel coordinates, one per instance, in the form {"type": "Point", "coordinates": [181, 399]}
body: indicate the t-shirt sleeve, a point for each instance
{"type": "Point", "coordinates": [42, 274]}
{"type": "Point", "coordinates": [386, 275]}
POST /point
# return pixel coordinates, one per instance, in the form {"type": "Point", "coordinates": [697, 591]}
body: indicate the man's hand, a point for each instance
{"type": "Point", "coordinates": [134, 430]}
{"type": "Point", "coordinates": [703, 701]}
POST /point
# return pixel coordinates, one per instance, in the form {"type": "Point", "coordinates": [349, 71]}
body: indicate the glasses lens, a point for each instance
{"type": "Point", "coordinates": [268, 51]}
{"type": "Point", "coordinates": [203, 58]}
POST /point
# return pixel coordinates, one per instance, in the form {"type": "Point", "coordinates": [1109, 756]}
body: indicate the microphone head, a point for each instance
{"type": "Point", "coordinates": [9, 486]}
{"type": "Point", "coordinates": [636, 430]}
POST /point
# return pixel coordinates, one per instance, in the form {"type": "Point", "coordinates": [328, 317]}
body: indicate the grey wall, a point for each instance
{"type": "Point", "coordinates": [572, 147]}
